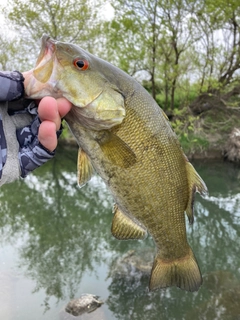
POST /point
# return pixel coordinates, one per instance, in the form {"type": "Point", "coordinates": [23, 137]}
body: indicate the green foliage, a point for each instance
{"type": "Point", "coordinates": [60, 19]}
{"type": "Point", "coordinates": [57, 18]}
{"type": "Point", "coordinates": [8, 51]}
{"type": "Point", "coordinates": [184, 126]}
{"type": "Point", "coordinates": [148, 86]}
{"type": "Point", "coordinates": [124, 44]}
{"type": "Point", "coordinates": [185, 48]}
{"type": "Point", "coordinates": [193, 41]}
{"type": "Point", "coordinates": [175, 42]}
{"type": "Point", "coordinates": [184, 95]}
{"type": "Point", "coordinates": [66, 134]}
{"type": "Point", "coordinates": [192, 143]}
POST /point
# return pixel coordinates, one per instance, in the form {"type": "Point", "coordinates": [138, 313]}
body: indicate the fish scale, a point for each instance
{"type": "Point", "coordinates": [125, 136]}
{"type": "Point", "coordinates": [151, 188]}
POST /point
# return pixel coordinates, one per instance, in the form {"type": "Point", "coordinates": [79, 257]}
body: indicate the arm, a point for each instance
{"type": "Point", "coordinates": [17, 157]}
{"type": "Point", "coordinates": [11, 85]}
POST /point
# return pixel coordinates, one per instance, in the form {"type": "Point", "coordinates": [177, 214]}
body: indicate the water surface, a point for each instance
{"type": "Point", "coordinates": [56, 244]}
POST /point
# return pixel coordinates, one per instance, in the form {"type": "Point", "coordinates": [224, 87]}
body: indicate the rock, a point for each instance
{"type": "Point", "coordinates": [85, 304]}
{"type": "Point", "coordinates": [80, 308]}
{"type": "Point", "coordinates": [131, 264]}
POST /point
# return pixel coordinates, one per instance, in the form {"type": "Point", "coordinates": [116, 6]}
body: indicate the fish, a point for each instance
{"type": "Point", "coordinates": [127, 139]}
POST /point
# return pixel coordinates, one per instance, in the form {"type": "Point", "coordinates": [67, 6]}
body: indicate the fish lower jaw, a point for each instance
{"type": "Point", "coordinates": [36, 94]}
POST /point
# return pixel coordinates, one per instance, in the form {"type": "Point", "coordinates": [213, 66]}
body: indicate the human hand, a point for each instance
{"type": "Point", "coordinates": [28, 139]}
{"type": "Point", "coordinates": [38, 141]}
{"type": "Point", "coordinates": [50, 112]}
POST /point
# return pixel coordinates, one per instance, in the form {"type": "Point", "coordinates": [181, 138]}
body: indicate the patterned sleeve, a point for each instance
{"type": "Point", "coordinates": [32, 153]}
{"type": "Point", "coordinates": [20, 150]}
{"type": "Point", "coordinates": [11, 85]}
{"type": "Point", "coordinates": [3, 147]}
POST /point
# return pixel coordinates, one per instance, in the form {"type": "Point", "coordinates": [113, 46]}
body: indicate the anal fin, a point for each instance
{"type": "Point", "coordinates": [85, 168]}
{"type": "Point", "coordinates": [196, 184]}
{"type": "Point", "coordinates": [124, 228]}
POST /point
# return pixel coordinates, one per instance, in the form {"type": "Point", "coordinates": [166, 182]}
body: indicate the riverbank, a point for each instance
{"type": "Point", "coordinates": [191, 154]}
{"type": "Point", "coordinates": [208, 128]}
{"type": "Point", "coordinates": [205, 129]}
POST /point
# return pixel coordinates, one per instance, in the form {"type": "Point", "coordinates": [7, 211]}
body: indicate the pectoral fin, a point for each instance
{"type": "Point", "coordinates": [195, 183]}
{"type": "Point", "coordinates": [85, 168]}
{"type": "Point", "coordinates": [116, 150]}
{"type": "Point", "coordinates": [124, 228]}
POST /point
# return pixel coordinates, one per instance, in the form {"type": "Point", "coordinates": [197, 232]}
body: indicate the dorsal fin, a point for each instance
{"type": "Point", "coordinates": [124, 228]}
{"type": "Point", "coordinates": [195, 184]}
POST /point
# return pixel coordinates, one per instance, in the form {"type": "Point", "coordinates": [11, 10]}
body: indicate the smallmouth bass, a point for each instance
{"type": "Point", "coordinates": [127, 139]}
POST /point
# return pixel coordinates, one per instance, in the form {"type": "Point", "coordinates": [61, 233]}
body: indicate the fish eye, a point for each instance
{"type": "Point", "coordinates": [81, 64]}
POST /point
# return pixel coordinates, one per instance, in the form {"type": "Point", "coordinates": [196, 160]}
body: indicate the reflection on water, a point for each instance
{"type": "Point", "coordinates": [56, 244]}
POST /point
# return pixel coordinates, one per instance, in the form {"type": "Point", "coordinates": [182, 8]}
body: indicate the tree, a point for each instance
{"type": "Point", "coordinates": [170, 43]}
{"type": "Point", "coordinates": [218, 49]}
{"type": "Point", "coordinates": [136, 26]}
{"type": "Point", "coordinates": [177, 38]}
{"type": "Point", "coordinates": [8, 51]}
{"type": "Point", "coordinates": [158, 33]}
{"type": "Point", "coordinates": [65, 20]}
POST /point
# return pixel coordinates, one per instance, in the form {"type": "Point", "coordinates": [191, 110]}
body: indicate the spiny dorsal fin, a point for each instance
{"type": "Point", "coordinates": [195, 184]}
{"type": "Point", "coordinates": [124, 228]}
{"type": "Point", "coordinates": [116, 150]}
{"type": "Point", "coordinates": [85, 168]}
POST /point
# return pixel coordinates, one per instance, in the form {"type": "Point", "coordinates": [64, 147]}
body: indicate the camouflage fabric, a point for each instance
{"type": "Point", "coordinates": [18, 130]}
{"type": "Point", "coordinates": [32, 153]}
{"type": "Point", "coordinates": [3, 148]}
{"type": "Point", "coordinates": [11, 85]}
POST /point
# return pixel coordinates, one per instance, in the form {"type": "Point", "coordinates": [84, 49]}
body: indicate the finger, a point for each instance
{"type": "Point", "coordinates": [48, 110]}
{"type": "Point", "coordinates": [47, 135]}
{"type": "Point", "coordinates": [64, 106]}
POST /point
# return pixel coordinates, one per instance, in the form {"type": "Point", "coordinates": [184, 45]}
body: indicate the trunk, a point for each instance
{"type": "Point", "coordinates": [166, 90]}
{"type": "Point", "coordinates": [154, 51]}
{"type": "Point", "coordinates": [172, 94]}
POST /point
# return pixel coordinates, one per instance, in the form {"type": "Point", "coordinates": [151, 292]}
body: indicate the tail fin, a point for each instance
{"type": "Point", "coordinates": [183, 273]}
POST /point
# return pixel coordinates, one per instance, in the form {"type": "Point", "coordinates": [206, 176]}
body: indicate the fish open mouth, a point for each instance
{"type": "Point", "coordinates": [45, 62]}
{"type": "Point", "coordinates": [48, 43]}
{"type": "Point", "coordinates": [48, 48]}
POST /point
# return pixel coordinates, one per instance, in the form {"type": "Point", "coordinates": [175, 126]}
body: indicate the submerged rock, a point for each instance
{"type": "Point", "coordinates": [132, 263]}
{"type": "Point", "coordinates": [80, 308]}
{"type": "Point", "coordinates": [85, 304]}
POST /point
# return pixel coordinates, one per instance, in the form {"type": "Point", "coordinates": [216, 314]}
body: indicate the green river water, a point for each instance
{"type": "Point", "coordinates": [56, 244]}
